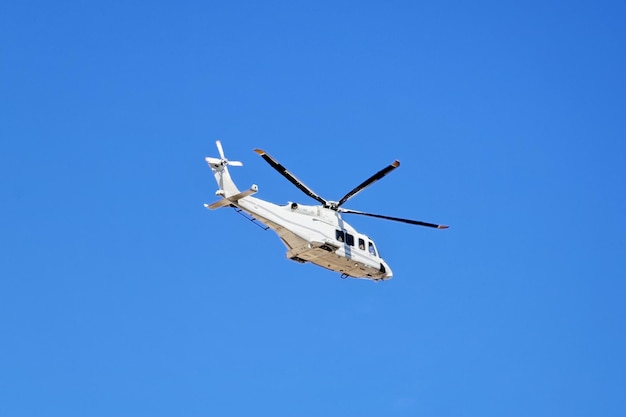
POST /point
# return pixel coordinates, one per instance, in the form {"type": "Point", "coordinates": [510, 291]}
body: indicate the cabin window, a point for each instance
{"type": "Point", "coordinates": [361, 244]}
{"type": "Point", "coordinates": [349, 239]}
{"type": "Point", "coordinates": [339, 235]}
{"type": "Point", "coordinates": [371, 248]}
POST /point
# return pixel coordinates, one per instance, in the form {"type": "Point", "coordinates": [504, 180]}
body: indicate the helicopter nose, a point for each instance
{"type": "Point", "coordinates": [384, 268]}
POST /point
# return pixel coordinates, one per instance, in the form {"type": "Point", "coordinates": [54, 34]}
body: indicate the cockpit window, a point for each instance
{"type": "Point", "coordinates": [339, 235]}
{"type": "Point", "coordinates": [371, 248]}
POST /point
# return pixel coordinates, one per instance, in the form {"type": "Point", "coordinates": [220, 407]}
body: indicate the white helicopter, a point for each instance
{"type": "Point", "coordinates": [316, 234]}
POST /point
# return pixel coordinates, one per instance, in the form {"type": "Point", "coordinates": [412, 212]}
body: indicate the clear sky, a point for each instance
{"type": "Point", "coordinates": [121, 295]}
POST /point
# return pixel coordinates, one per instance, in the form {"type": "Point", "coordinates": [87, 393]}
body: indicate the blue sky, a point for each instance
{"type": "Point", "coordinates": [121, 295]}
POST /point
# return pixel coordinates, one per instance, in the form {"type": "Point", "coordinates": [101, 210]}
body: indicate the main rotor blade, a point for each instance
{"type": "Point", "coordinates": [369, 181]}
{"type": "Point", "coordinates": [292, 178]}
{"type": "Point", "coordinates": [220, 149]}
{"type": "Point", "coordinates": [397, 219]}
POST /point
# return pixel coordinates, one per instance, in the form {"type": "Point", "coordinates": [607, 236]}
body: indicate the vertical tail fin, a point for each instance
{"type": "Point", "coordinates": [220, 171]}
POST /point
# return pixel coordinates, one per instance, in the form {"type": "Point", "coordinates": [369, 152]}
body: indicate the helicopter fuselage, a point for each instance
{"type": "Point", "coordinates": [315, 234]}
{"type": "Point", "coordinates": [319, 235]}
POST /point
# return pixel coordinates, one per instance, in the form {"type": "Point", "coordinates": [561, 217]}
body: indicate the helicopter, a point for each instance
{"type": "Point", "coordinates": [316, 234]}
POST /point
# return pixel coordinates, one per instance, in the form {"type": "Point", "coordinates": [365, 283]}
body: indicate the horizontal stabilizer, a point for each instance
{"type": "Point", "coordinates": [226, 201]}
{"type": "Point", "coordinates": [223, 202]}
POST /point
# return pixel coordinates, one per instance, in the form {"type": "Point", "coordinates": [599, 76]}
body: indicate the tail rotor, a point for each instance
{"type": "Point", "coordinates": [222, 161]}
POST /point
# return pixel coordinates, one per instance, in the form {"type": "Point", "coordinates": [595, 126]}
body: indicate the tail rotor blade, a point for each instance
{"type": "Point", "coordinates": [235, 163]}
{"type": "Point", "coordinates": [213, 161]}
{"type": "Point", "coordinates": [220, 149]}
